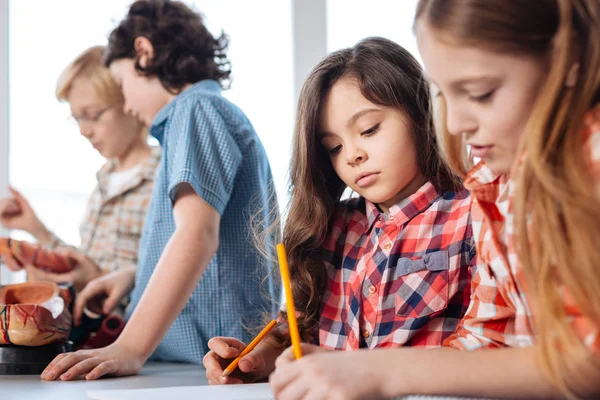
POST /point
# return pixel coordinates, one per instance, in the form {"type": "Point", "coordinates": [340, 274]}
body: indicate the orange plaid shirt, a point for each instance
{"type": "Point", "coordinates": [499, 313]}
{"type": "Point", "coordinates": [112, 227]}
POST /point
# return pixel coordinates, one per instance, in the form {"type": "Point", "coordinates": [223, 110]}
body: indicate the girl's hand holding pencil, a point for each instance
{"type": "Point", "coordinates": [223, 350]}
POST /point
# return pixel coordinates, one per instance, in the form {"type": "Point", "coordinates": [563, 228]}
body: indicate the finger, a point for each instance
{"type": "Point", "coordinates": [62, 363]}
{"type": "Point", "coordinates": [114, 297]}
{"type": "Point", "coordinates": [295, 390]}
{"type": "Point", "coordinates": [15, 192]}
{"type": "Point", "coordinates": [229, 381]}
{"type": "Point", "coordinates": [48, 275]}
{"type": "Point", "coordinates": [251, 362]}
{"type": "Point", "coordinates": [50, 367]}
{"type": "Point", "coordinates": [72, 253]}
{"type": "Point", "coordinates": [212, 365]}
{"type": "Point", "coordinates": [9, 207]}
{"type": "Point", "coordinates": [90, 291]}
{"type": "Point", "coordinates": [226, 347]}
{"type": "Point", "coordinates": [81, 368]}
{"type": "Point", "coordinates": [286, 357]}
{"type": "Point", "coordinates": [105, 368]}
{"type": "Point", "coordinates": [11, 263]}
{"type": "Point", "coordinates": [282, 377]}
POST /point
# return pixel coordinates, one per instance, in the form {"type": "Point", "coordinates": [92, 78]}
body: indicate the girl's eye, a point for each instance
{"type": "Point", "coordinates": [335, 150]}
{"type": "Point", "coordinates": [371, 130]}
{"type": "Point", "coordinates": [483, 98]}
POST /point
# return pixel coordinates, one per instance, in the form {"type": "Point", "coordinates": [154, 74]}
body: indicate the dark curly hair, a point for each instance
{"type": "Point", "coordinates": [184, 50]}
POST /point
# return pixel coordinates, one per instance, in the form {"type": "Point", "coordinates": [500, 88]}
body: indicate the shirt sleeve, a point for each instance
{"type": "Point", "coordinates": [202, 152]}
{"type": "Point", "coordinates": [584, 327]}
{"type": "Point", "coordinates": [488, 317]}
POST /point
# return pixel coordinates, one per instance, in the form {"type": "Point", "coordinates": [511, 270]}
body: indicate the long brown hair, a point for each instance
{"type": "Point", "coordinates": [387, 75]}
{"type": "Point", "coordinates": [554, 187]}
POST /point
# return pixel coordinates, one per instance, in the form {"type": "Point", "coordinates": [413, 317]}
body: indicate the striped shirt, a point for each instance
{"type": "Point", "coordinates": [500, 311]}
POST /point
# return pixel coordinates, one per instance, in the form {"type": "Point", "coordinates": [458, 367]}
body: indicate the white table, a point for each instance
{"type": "Point", "coordinates": [26, 387]}
{"type": "Point", "coordinates": [154, 375]}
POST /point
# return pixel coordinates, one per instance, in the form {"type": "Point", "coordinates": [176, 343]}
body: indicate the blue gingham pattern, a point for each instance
{"type": "Point", "coordinates": [210, 144]}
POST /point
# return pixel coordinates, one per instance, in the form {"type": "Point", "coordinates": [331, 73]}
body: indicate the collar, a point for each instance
{"type": "Point", "coordinates": [209, 85]}
{"type": "Point", "coordinates": [406, 209]}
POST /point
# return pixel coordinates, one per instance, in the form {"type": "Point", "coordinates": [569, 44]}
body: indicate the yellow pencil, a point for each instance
{"type": "Point", "coordinates": [289, 299]}
{"type": "Point", "coordinates": [233, 365]}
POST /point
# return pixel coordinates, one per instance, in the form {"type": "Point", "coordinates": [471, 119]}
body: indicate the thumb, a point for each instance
{"type": "Point", "coordinates": [18, 197]}
{"type": "Point", "coordinates": [89, 292]}
{"type": "Point", "coordinates": [73, 254]}
{"type": "Point", "coordinates": [14, 192]}
{"type": "Point", "coordinates": [80, 302]}
{"type": "Point", "coordinates": [251, 362]}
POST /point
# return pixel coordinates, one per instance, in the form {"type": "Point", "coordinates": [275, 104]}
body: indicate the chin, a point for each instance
{"type": "Point", "coordinates": [500, 167]}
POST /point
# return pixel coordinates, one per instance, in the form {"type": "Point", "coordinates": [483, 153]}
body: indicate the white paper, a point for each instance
{"type": "Point", "coordinates": [254, 391]}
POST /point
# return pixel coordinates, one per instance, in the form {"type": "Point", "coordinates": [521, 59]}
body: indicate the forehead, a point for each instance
{"type": "Point", "coordinates": [447, 61]}
{"type": "Point", "coordinates": [343, 101]}
{"type": "Point", "coordinates": [83, 94]}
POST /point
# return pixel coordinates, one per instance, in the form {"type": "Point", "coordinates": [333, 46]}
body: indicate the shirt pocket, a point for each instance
{"type": "Point", "coordinates": [422, 285]}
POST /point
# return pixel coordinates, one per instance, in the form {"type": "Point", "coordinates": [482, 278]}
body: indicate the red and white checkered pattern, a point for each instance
{"type": "Point", "coordinates": [397, 278]}
{"type": "Point", "coordinates": [499, 314]}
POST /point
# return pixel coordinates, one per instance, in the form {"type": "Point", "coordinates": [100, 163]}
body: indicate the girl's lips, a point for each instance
{"type": "Point", "coordinates": [365, 180]}
{"type": "Point", "coordinates": [480, 151]}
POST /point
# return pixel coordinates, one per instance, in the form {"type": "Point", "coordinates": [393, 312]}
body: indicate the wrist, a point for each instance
{"type": "Point", "coordinates": [42, 234]}
{"type": "Point", "coordinates": [132, 346]}
{"type": "Point", "coordinates": [390, 379]}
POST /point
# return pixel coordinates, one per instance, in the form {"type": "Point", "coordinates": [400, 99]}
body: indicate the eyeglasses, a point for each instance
{"type": "Point", "coordinates": [89, 119]}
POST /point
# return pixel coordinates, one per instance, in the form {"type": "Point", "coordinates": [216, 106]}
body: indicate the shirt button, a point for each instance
{"type": "Point", "coordinates": [372, 289]}
{"type": "Point", "coordinates": [366, 334]}
{"type": "Point", "coordinates": [387, 246]}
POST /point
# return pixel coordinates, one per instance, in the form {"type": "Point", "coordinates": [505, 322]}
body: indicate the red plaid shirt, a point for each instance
{"type": "Point", "coordinates": [499, 314]}
{"type": "Point", "coordinates": [397, 278]}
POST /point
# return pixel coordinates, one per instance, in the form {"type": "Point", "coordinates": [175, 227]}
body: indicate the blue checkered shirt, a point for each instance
{"type": "Point", "coordinates": [210, 144]}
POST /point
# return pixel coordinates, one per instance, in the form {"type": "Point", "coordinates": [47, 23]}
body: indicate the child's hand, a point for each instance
{"type": "Point", "coordinates": [114, 360]}
{"type": "Point", "coordinates": [11, 262]}
{"type": "Point", "coordinates": [84, 271]}
{"type": "Point", "coordinates": [16, 213]}
{"type": "Point", "coordinates": [102, 295]}
{"type": "Point", "coordinates": [222, 351]}
{"type": "Point", "coordinates": [333, 375]}
{"type": "Point", "coordinates": [288, 355]}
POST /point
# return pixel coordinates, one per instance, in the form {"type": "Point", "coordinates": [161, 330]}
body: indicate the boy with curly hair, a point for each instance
{"type": "Point", "coordinates": [198, 275]}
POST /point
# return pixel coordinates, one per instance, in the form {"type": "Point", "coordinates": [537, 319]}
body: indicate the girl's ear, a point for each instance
{"type": "Point", "coordinates": [572, 76]}
{"type": "Point", "coordinates": [144, 50]}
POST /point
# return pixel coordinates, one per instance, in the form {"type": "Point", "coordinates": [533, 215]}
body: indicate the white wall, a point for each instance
{"type": "Point", "coordinates": [4, 276]}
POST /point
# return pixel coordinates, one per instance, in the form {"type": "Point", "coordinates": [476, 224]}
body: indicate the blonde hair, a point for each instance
{"type": "Point", "coordinates": [90, 65]}
{"type": "Point", "coordinates": [553, 183]}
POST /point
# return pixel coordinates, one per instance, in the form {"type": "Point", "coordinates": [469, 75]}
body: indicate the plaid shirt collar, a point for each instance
{"type": "Point", "coordinates": [406, 209]}
{"type": "Point", "coordinates": [147, 172]}
{"type": "Point", "coordinates": [486, 185]}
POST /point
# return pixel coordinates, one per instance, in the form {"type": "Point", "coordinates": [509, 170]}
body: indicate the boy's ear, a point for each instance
{"type": "Point", "coordinates": [144, 50]}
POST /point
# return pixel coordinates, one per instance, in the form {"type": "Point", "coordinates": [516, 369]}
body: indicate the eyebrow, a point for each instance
{"type": "Point", "coordinates": [459, 84]}
{"type": "Point", "coordinates": [351, 121]}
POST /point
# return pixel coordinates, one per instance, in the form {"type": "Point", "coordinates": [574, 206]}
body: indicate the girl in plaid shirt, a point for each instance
{"type": "Point", "coordinates": [520, 81]}
{"type": "Point", "coordinates": [390, 267]}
